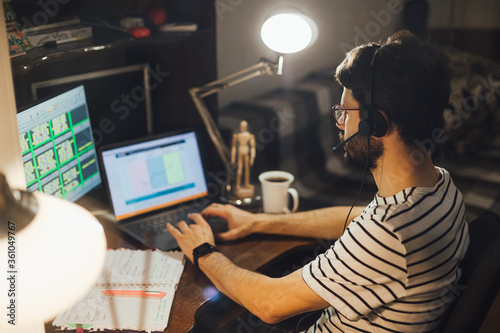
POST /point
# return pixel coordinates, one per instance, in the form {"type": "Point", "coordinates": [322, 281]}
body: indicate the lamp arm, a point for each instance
{"type": "Point", "coordinates": [265, 66]}
{"type": "Point", "coordinates": [234, 82]}
{"type": "Point", "coordinates": [211, 127]}
{"type": "Point", "coordinates": [198, 93]}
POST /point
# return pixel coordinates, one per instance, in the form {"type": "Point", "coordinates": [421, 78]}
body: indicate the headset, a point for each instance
{"type": "Point", "coordinates": [373, 123]}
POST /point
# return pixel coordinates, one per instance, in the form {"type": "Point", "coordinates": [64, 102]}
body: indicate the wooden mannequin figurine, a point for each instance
{"type": "Point", "coordinates": [244, 143]}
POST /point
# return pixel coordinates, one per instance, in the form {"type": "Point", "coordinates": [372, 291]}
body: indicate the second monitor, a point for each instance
{"type": "Point", "coordinates": [57, 145]}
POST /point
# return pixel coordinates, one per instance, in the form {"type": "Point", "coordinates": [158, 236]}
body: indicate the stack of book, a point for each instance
{"type": "Point", "coordinates": [60, 32]}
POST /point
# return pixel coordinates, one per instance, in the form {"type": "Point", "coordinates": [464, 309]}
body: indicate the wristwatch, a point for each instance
{"type": "Point", "coordinates": [203, 250]}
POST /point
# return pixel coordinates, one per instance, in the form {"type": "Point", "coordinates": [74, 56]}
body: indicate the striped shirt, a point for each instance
{"type": "Point", "coordinates": [395, 268]}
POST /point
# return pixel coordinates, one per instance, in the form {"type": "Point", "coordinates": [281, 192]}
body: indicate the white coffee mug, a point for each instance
{"type": "Point", "coordinates": [275, 189]}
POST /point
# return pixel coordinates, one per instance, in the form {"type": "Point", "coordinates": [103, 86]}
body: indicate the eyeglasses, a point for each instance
{"type": "Point", "coordinates": [339, 113]}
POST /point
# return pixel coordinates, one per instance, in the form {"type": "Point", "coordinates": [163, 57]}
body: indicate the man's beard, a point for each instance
{"type": "Point", "coordinates": [356, 151]}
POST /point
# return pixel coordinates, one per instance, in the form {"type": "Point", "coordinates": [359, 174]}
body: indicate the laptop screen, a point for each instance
{"type": "Point", "coordinates": [149, 175]}
{"type": "Point", "coordinates": [57, 145]}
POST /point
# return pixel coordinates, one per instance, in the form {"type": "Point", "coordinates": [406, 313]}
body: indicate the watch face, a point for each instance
{"type": "Point", "coordinates": [203, 248]}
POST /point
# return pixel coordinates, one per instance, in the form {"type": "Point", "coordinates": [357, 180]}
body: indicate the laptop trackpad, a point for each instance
{"type": "Point", "coordinates": [165, 242]}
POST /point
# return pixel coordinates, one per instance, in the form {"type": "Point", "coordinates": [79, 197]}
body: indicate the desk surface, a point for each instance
{"type": "Point", "coordinates": [253, 253]}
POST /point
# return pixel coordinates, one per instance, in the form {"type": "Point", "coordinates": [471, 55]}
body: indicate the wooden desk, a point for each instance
{"type": "Point", "coordinates": [254, 252]}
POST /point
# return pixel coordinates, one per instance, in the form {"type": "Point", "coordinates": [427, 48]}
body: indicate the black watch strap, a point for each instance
{"type": "Point", "coordinates": [203, 250]}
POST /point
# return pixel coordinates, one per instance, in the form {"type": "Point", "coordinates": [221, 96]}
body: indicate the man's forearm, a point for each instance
{"type": "Point", "coordinates": [267, 298]}
{"type": "Point", "coordinates": [325, 223]}
{"type": "Point", "coordinates": [229, 278]}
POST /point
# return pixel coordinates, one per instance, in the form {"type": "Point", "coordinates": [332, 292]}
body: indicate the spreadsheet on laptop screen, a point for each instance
{"type": "Point", "coordinates": [161, 172]}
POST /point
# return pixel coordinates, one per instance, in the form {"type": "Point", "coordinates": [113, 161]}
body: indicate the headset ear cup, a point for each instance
{"type": "Point", "coordinates": [379, 126]}
{"type": "Point", "coordinates": [364, 128]}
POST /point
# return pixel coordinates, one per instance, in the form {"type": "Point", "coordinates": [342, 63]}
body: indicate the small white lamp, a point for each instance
{"type": "Point", "coordinates": [284, 33]}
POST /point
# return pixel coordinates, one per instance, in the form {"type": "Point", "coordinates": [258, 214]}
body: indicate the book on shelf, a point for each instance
{"type": "Point", "coordinates": [53, 25]}
{"type": "Point", "coordinates": [134, 292]}
{"type": "Point", "coordinates": [18, 42]}
{"type": "Point", "coordinates": [64, 34]}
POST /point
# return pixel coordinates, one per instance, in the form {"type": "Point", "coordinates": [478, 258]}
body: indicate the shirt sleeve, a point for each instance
{"type": "Point", "coordinates": [363, 270]}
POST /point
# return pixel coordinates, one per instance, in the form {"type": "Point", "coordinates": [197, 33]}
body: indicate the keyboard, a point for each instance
{"type": "Point", "coordinates": [156, 224]}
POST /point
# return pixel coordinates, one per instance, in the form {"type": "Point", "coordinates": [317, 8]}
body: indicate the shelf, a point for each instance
{"type": "Point", "coordinates": [37, 56]}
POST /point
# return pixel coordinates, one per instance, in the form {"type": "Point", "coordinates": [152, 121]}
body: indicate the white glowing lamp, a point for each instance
{"type": "Point", "coordinates": [53, 252]}
{"type": "Point", "coordinates": [288, 32]}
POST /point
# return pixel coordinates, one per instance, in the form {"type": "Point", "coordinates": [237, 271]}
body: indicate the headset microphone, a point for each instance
{"type": "Point", "coordinates": [363, 130]}
{"type": "Point", "coordinates": [345, 141]}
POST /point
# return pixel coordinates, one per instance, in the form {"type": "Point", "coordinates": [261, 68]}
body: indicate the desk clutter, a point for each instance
{"type": "Point", "coordinates": [134, 292]}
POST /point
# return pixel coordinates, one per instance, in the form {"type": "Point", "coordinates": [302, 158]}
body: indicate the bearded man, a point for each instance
{"type": "Point", "coordinates": [394, 264]}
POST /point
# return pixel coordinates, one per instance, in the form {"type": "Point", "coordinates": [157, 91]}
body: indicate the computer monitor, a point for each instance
{"type": "Point", "coordinates": [57, 145]}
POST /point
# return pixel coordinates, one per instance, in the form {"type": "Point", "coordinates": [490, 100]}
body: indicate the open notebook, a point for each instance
{"type": "Point", "coordinates": [134, 292]}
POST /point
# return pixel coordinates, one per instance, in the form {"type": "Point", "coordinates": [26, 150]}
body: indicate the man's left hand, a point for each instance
{"type": "Point", "coordinates": [191, 236]}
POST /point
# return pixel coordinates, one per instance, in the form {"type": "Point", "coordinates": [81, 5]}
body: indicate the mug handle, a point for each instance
{"type": "Point", "coordinates": [295, 196]}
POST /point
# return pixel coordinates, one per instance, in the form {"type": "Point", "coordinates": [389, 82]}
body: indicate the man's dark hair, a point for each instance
{"type": "Point", "coordinates": [410, 82]}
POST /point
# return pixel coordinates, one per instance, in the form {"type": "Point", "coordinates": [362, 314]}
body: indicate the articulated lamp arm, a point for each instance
{"type": "Point", "coordinates": [198, 93]}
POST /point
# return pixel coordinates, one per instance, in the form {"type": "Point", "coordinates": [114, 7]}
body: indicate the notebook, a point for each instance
{"type": "Point", "coordinates": [155, 180]}
{"type": "Point", "coordinates": [135, 291]}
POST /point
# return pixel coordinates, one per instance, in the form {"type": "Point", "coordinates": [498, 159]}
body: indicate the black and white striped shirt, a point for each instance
{"type": "Point", "coordinates": [395, 268]}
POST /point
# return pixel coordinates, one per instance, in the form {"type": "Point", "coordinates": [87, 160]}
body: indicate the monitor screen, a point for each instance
{"type": "Point", "coordinates": [153, 173]}
{"type": "Point", "coordinates": [58, 149]}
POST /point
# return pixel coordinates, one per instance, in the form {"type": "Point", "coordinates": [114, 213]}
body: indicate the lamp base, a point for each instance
{"type": "Point", "coordinates": [243, 192]}
{"type": "Point", "coordinates": [244, 197]}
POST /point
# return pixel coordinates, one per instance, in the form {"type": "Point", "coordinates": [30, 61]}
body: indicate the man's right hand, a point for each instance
{"type": "Point", "coordinates": [240, 222]}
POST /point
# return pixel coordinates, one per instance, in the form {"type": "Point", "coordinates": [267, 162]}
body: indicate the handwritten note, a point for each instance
{"type": "Point", "coordinates": [129, 270]}
{"type": "Point", "coordinates": [129, 267]}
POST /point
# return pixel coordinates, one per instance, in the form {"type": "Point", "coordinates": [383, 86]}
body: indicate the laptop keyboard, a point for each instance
{"type": "Point", "coordinates": [156, 224]}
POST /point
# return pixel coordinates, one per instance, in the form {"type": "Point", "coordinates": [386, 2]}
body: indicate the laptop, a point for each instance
{"type": "Point", "coordinates": [155, 180]}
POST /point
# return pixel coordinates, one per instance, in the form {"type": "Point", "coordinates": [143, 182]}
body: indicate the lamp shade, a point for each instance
{"type": "Point", "coordinates": [288, 32]}
{"type": "Point", "coordinates": [56, 258]}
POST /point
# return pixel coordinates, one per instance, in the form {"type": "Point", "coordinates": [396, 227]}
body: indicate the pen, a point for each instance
{"type": "Point", "coordinates": [80, 328]}
{"type": "Point", "coordinates": [134, 293]}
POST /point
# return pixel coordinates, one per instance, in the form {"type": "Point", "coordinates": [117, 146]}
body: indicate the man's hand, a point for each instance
{"type": "Point", "coordinates": [191, 236]}
{"type": "Point", "coordinates": [240, 222]}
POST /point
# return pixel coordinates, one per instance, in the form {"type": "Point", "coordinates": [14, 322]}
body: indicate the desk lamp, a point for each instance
{"type": "Point", "coordinates": [287, 32]}
{"type": "Point", "coordinates": [51, 250]}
